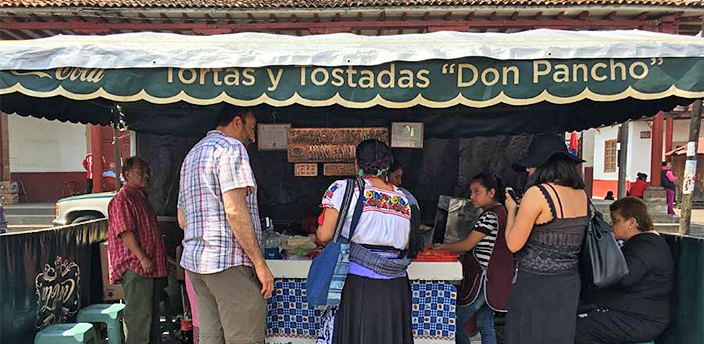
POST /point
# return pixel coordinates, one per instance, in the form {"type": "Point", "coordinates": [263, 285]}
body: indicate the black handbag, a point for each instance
{"type": "Point", "coordinates": [602, 259]}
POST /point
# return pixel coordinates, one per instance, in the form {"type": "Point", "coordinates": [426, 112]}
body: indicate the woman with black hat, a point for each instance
{"type": "Point", "coordinates": [546, 234]}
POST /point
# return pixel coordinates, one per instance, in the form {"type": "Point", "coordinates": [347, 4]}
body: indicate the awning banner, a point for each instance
{"type": "Point", "coordinates": [472, 82]}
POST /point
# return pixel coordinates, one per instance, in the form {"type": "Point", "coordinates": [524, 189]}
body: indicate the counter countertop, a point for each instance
{"type": "Point", "coordinates": [425, 271]}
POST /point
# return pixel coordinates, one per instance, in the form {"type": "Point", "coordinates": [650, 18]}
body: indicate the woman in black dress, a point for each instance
{"type": "Point", "coordinates": [637, 308]}
{"type": "Point", "coordinates": [546, 235]}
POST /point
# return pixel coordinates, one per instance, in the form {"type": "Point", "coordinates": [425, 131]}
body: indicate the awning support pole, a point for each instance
{"type": "Point", "coordinates": [623, 159]}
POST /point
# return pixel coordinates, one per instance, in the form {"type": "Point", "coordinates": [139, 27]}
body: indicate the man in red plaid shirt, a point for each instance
{"type": "Point", "coordinates": [136, 253]}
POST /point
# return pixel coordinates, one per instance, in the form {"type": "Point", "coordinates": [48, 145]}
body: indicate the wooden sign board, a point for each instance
{"type": "Point", "coordinates": [305, 170]}
{"type": "Point", "coordinates": [273, 136]}
{"type": "Point", "coordinates": [339, 170]}
{"type": "Point", "coordinates": [330, 144]}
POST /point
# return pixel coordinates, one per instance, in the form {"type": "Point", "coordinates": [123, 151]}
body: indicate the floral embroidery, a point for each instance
{"type": "Point", "coordinates": [380, 200]}
{"type": "Point", "coordinates": [331, 190]}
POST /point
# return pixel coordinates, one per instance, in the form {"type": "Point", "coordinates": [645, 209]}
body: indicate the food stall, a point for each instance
{"type": "Point", "coordinates": [318, 96]}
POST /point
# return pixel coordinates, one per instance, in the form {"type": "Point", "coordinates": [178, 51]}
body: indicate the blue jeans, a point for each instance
{"type": "Point", "coordinates": [485, 320]}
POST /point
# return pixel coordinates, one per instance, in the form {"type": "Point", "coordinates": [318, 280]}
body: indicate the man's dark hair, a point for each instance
{"type": "Point", "coordinates": [229, 113]}
{"type": "Point", "coordinates": [132, 162]}
{"type": "Point", "coordinates": [559, 170]}
{"type": "Point", "coordinates": [664, 163]}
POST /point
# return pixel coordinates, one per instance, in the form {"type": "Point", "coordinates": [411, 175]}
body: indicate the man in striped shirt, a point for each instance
{"type": "Point", "coordinates": [217, 208]}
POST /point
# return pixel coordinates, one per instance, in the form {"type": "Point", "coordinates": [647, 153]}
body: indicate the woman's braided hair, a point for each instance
{"type": "Point", "coordinates": [374, 157]}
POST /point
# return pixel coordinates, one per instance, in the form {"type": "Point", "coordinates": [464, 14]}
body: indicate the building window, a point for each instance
{"type": "Point", "coordinates": [610, 156]}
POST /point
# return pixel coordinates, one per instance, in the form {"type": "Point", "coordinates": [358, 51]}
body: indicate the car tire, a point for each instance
{"type": "Point", "coordinates": [85, 218]}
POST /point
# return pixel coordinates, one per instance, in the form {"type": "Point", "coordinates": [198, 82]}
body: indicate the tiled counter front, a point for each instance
{"type": "Point", "coordinates": [290, 321]}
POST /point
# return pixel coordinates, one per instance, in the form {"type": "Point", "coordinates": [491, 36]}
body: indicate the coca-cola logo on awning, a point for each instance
{"type": "Point", "coordinates": [59, 294]}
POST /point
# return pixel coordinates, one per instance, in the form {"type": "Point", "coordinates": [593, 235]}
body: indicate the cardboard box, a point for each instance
{"type": "Point", "coordinates": [8, 187]}
{"type": "Point", "coordinates": [8, 198]}
{"type": "Point", "coordinates": [111, 292]}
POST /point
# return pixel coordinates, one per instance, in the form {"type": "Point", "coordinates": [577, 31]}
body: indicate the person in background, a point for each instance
{"type": "Point", "coordinates": [110, 178]}
{"type": "Point", "coordinates": [638, 188]}
{"type": "Point", "coordinates": [636, 308]}
{"type": "Point", "coordinates": [396, 179]}
{"type": "Point", "coordinates": [488, 264]}
{"type": "Point", "coordinates": [376, 299]}
{"type": "Point", "coordinates": [222, 255]}
{"type": "Point", "coordinates": [609, 196]}
{"type": "Point", "coordinates": [137, 255]}
{"type": "Point", "coordinates": [668, 180]}
{"type": "Point", "coordinates": [88, 166]}
{"type": "Point", "coordinates": [547, 236]}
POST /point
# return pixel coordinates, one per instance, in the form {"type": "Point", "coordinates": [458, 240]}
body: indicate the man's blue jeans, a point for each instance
{"type": "Point", "coordinates": [485, 320]}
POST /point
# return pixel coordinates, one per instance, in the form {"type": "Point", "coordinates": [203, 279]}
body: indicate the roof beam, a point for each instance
{"type": "Point", "coordinates": [316, 18]}
{"type": "Point", "coordinates": [611, 15]}
{"type": "Point", "coordinates": [354, 25]}
{"type": "Point", "coordinates": [78, 17]}
{"type": "Point", "coordinates": [583, 16]}
{"type": "Point", "coordinates": [209, 19]}
{"type": "Point", "coordinates": [470, 16]}
{"type": "Point", "coordinates": [643, 16]}
{"type": "Point", "coordinates": [272, 18]}
{"type": "Point", "coordinates": [448, 16]}
{"type": "Point", "coordinates": [538, 16]}
{"type": "Point", "coordinates": [144, 18]}
{"type": "Point", "coordinates": [250, 18]}
{"type": "Point", "coordinates": [561, 15]}
{"type": "Point", "coordinates": [514, 16]}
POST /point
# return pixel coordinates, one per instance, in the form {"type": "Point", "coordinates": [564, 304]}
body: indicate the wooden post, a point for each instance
{"type": "Point", "coordinates": [96, 150]}
{"type": "Point", "coordinates": [690, 170]}
{"type": "Point", "coordinates": [623, 159]}
{"type": "Point", "coordinates": [669, 129]}
{"type": "Point", "coordinates": [656, 150]}
{"type": "Point", "coordinates": [4, 148]}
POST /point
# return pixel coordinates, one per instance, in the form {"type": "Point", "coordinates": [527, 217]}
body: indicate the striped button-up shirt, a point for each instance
{"type": "Point", "coordinates": [215, 165]}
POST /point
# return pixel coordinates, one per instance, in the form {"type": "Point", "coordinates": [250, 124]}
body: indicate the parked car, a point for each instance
{"type": "Point", "coordinates": [3, 220]}
{"type": "Point", "coordinates": [82, 208]}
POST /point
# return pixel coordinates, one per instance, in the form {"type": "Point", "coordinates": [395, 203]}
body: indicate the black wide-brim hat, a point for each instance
{"type": "Point", "coordinates": [541, 149]}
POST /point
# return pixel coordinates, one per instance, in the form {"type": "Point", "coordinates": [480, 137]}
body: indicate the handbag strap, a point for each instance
{"type": "Point", "coordinates": [358, 208]}
{"type": "Point", "coordinates": [342, 216]}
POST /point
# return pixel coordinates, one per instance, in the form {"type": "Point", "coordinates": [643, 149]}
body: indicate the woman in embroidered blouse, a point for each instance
{"type": "Point", "coordinates": [375, 308]}
{"type": "Point", "coordinates": [488, 267]}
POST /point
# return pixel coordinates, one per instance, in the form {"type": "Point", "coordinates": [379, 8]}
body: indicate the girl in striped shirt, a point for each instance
{"type": "Point", "coordinates": [488, 264]}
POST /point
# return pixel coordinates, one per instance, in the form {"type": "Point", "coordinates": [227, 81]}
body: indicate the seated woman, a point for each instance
{"type": "Point", "coordinates": [488, 267]}
{"type": "Point", "coordinates": [637, 308]}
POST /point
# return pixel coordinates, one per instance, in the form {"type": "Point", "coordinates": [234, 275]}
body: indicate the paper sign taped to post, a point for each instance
{"type": "Point", "coordinates": [690, 173]}
{"type": "Point", "coordinates": [691, 149]}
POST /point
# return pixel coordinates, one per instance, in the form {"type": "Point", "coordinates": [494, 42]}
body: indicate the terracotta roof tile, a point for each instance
{"type": "Point", "coordinates": [337, 3]}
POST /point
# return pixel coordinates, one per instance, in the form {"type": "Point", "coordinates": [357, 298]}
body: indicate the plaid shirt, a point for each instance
{"type": "Point", "coordinates": [130, 210]}
{"type": "Point", "coordinates": [215, 165]}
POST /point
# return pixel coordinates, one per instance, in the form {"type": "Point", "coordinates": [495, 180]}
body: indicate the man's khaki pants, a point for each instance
{"type": "Point", "coordinates": [231, 308]}
{"type": "Point", "coordinates": [141, 308]}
